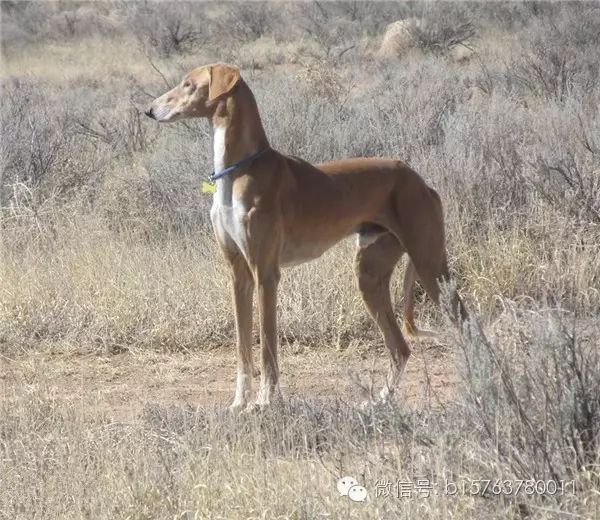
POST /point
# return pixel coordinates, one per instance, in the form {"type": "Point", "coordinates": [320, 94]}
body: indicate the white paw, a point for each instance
{"type": "Point", "coordinates": [237, 407]}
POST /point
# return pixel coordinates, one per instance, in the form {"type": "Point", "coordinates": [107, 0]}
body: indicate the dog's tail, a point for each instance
{"type": "Point", "coordinates": [456, 308]}
{"type": "Point", "coordinates": [425, 244]}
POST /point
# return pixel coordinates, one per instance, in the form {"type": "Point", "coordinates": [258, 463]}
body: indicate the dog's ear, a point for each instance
{"type": "Point", "coordinates": [222, 80]}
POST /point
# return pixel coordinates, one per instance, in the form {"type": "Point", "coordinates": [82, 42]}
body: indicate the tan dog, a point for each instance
{"type": "Point", "coordinates": [271, 210]}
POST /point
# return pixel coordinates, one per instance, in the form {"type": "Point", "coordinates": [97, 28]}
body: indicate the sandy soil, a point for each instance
{"type": "Point", "coordinates": [121, 385]}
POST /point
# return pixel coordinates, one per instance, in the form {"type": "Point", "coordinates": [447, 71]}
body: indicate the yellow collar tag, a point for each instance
{"type": "Point", "coordinates": [208, 187]}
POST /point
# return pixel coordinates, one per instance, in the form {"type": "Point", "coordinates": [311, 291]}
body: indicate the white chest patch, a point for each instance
{"type": "Point", "coordinates": [219, 148]}
{"type": "Point", "coordinates": [228, 214]}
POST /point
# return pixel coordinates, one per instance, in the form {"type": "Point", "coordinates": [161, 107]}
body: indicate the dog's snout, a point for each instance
{"type": "Point", "coordinates": [149, 112]}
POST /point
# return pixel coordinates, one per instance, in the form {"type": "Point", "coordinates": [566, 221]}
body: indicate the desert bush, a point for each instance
{"type": "Point", "coordinates": [57, 148]}
{"type": "Point", "coordinates": [124, 133]}
{"type": "Point", "coordinates": [247, 22]}
{"type": "Point", "coordinates": [31, 22]}
{"type": "Point", "coordinates": [31, 141]}
{"type": "Point", "coordinates": [564, 184]}
{"type": "Point", "coordinates": [176, 168]}
{"type": "Point", "coordinates": [266, 52]}
{"type": "Point", "coordinates": [439, 30]}
{"type": "Point", "coordinates": [42, 158]}
{"type": "Point", "coordinates": [559, 55]}
{"type": "Point", "coordinates": [169, 28]}
{"type": "Point", "coordinates": [323, 24]}
{"type": "Point", "coordinates": [537, 405]}
{"type": "Point", "coordinates": [23, 22]}
{"type": "Point", "coordinates": [565, 167]}
{"type": "Point", "coordinates": [80, 19]}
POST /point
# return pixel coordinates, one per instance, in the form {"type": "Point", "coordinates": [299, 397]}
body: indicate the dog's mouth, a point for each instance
{"type": "Point", "coordinates": [162, 114]}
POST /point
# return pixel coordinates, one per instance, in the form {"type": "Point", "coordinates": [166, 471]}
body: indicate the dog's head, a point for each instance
{"type": "Point", "coordinates": [197, 94]}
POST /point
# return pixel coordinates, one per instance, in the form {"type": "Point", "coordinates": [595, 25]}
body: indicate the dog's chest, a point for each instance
{"type": "Point", "coordinates": [228, 213]}
{"type": "Point", "coordinates": [229, 217]}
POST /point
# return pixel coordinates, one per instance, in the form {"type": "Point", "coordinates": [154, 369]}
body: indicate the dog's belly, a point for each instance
{"type": "Point", "coordinates": [295, 252]}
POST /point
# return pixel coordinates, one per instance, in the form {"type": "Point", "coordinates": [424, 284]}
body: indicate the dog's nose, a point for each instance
{"type": "Point", "coordinates": [149, 113]}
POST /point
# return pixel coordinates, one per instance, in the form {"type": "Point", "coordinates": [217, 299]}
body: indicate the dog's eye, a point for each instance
{"type": "Point", "coordinates": [187, 84]}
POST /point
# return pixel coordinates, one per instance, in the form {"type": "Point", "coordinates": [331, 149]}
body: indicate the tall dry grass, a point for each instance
{"type": "Point", "coordinates": [516, 443]}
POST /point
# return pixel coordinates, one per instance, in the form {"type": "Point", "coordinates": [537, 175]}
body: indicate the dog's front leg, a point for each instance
{"type": "Point", "coordinates": [267, 280]}
{"type": "Point", "coordinates": [243, 289]}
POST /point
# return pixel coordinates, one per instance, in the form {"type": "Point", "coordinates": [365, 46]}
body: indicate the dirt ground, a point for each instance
{"type": "Point", "coordinates": [121, 385]}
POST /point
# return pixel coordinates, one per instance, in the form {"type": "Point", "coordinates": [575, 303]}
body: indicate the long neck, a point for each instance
{"type": "Point", "coordinates": [238, 130]}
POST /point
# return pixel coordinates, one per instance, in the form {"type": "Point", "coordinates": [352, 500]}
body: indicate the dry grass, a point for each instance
{"type": "Point", "coordinates": [115, 319]}
{"type": "Point", "coordinates": [91, 58]}
{"type": "Point", "coordinates": [66, 453]}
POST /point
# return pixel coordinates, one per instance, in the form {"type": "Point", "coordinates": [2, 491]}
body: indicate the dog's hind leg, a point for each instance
{"type": "Point", "coordinates": [374, 264]}
{"type": "Point", "coordinates": [409, 326]}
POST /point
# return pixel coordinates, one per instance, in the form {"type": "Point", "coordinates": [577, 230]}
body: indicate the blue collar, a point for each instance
{"type": "Point", "coordinates": [214, 175]}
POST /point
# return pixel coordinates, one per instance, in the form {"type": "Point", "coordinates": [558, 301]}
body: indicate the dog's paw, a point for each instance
{"type": "Point", "coordinates": [237, 407]}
